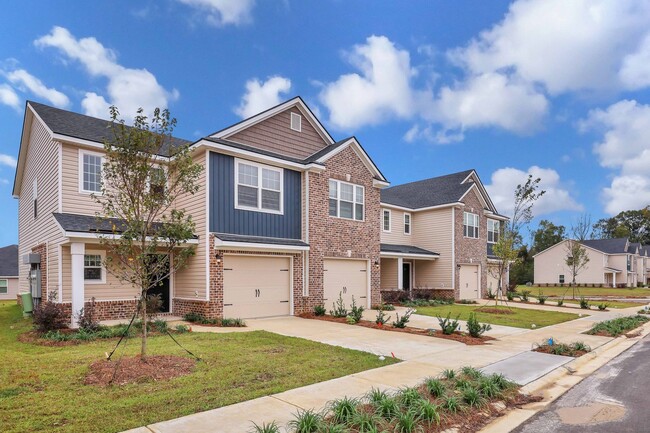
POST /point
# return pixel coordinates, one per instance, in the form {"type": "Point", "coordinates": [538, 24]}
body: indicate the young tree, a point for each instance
{"type": "Point", "coordinates": [144, 173]}
{"type": "Point", "coordinates": [577, 257]}
{"type": "Point", "coordinates": [506, 249]}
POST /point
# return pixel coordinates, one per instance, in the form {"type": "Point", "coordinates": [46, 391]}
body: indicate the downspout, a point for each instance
{"type": "Point", "coordinates": [305, 266]}
{"type": "Point", "coordinates": [453, 250]}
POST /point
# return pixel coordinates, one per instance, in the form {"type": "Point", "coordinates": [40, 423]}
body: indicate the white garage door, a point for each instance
{"type": "Point", "coordinates": [347, 278]}
{"type": "Point", "coordinates": [469, 282]}
{"type": "Point", "coordinates": [255, 286]}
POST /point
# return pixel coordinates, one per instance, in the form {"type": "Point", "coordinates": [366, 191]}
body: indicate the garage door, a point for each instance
{"type": "Point", "coordinates": [468, 282]}
{"type": "Point", "coordinates": [347, 278]}
{"type": "Point", "coordinates": [256, 286]}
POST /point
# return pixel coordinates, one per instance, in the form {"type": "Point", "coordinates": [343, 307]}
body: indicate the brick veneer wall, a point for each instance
{"type": "Point", "coordinates": [42, 250]}
{"type": "Point", "coordinates": [470, 250]}
{"type": "Point", "coordinates": [108, 310]}
{"type": "Point", "coordinates": [334, 237]}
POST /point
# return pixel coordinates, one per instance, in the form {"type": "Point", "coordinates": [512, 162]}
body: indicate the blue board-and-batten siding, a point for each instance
{"type": "Point", "coordinates": [224, 218]}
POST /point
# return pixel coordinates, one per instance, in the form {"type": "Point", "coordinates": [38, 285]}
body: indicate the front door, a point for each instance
{"type": "Point", "coordinates": [406, 276]}
{"type": "Point", "coordinates": [162, 287]}
{"type": "Point", "coordinates": [469, 285]}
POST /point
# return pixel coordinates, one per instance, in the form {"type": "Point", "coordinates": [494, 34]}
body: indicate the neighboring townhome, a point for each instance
{"type": "Point", "coordinates": [642, 258]}
{"type": "Point", "coordinates": [9, 272]}
{"type": "Point", "coordinates": [286, 217]}
{"type": "Point", "coordinates": [437, 234]}
{"type": "Point", "coordinates": [612, 263]}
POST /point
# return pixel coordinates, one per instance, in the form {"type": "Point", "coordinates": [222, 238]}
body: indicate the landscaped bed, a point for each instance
{"type": "Point", "coordinates": [596, 292]}
{"type": "Point", "coordinates": [499, 314]}
{"type": "Point", "coordinates": [464, 400]}
{"type": "Point", "coordinates": [554, 347]}
{"type": "Point", "coordinates": [39, 385]}
{"type": "Point", "coordinates": [616, 327]}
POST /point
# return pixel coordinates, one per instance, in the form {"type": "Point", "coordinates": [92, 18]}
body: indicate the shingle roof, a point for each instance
{"type": "Point", "coordinates": [632, 247]}
{"type": "Point", "coordinates": [84, 127]}
{"type": "Point", "coordinates": [228, 237]}
{"type": "Point", "coordinates": [429, 192]}
{"type": "Point", "coordinates": [608, 246]}
{"type": "Point", "coordinates": [406, 249]}
{"type": "Point", "coordinates": [90, 224]}
{"type": "Point", "coordinates": [9, 261]}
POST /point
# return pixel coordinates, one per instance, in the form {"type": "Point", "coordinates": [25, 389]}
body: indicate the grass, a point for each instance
{"type": "Point", "coordinates": [520, 318]}
{"type": "Point", "coordinates": [616, 327]}
{"type": "Point", "coordinates": [567, 292]}
{"type": "Point", "coordinates": [595, 302]}
{"type": "Point", "coordinates": [39, 385]}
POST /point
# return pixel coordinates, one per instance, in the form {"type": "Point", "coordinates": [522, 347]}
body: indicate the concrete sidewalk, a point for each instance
{"type": "Point", "coordinates": [422, 357]}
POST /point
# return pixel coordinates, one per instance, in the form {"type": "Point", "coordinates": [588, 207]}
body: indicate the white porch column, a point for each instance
{"type": "Point", "coordinates": [614, 279]}
{"type": "Point", "coordinates": [400, 273]}
{"type": "Point", "coordinates": [77, 250]}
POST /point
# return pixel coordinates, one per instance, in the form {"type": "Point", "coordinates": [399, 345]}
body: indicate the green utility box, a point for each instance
{"type": "Point", "coordinates": [28, 303]}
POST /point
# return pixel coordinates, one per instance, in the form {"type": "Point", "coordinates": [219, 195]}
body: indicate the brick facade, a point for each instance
{"type": "Point", "coordinates": [108, 310]}
{"type": "Point", "coordinates": [470, 250]}
{"type": "Point", "coordinates": [331, 237]}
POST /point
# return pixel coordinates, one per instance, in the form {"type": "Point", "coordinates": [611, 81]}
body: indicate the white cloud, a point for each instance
{"type": "Point", "coordinates": [635, 72]}
{"type": "Point", "coordinates": [566, 46]}
{"type": "Point", "coordinates": [128, 89]}
{"type": "Point", "coordinates": [8, 160]}
{"type": "Point", "coordinates": [223, 12]}
{"type": "Point", "coordinates": [8, 96]}
{"type": "Point", "coordinates": [260, 96]}
{"type": "Point", "coordinates": [4, 181]}
{"type": "Point", "coordinates": [624, 148]}
{"type": "Point", "coordinates": [25, 80]}
{"type": "Point", "coordinates": [381, 90]}
{"type": "Point", "coordinates": [557, 197]}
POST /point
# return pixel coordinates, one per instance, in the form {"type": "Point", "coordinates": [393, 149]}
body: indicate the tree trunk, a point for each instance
{"type": "Point", "coordinates": [143, 350]}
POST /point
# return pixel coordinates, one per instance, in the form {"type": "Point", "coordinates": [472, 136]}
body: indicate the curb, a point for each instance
{"type": "Point", "coordinates": [554, 384]}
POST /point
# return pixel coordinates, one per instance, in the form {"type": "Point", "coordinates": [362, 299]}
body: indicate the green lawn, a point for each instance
{"type": "Point", "coordinates": [41, 388]}
{"type": "Point", "coordinates": [588, 291]}
{"type": "Point", "coordinates": [521, 318]}
{"type": "Point", "coordinates": [595, 302]}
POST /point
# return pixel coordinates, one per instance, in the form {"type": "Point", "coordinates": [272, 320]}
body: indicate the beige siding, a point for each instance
{"type": "Point", "coordinates": [12, 289]}
{"type": "Point", "coordinates": [492, 281]}
{"type": "Point", "coordinates": [275, 134]}
{"type": "Point", "coordinates": [388, 274]}
{"type": "Point", "coordinates": [190, 282]}
{"type": "Point", "coordinates": [75, 201]}
{"type": "Point", "coordinates": [550, 264]}
{"type": "Point", "coordinates": [619, 261]}
{"type": "Point", "coordinates": [396, 235]}
{"type": "Point", "coordinates": [41, 164]}
{"type": "Point", "coordinates": [433, 231]}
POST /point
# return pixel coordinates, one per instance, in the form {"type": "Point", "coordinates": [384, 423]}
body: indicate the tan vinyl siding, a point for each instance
{"type": "Point", "coordinates": [12, 288]}
{"type": "Point", "coordinates": [396, 235]}
{"type": "Point", "coordinates": [190, 282]}
{"type": "Point", "coordinates": [388, 274]}
{"type": "Point", "coordinates": [275, 134]}
{"type": "Point", "coordinates": [75, 201]}
{"type": "Point", "coordinates": [433, 231]}
{"type": "Point", "coordinates": [42, 164]}
{"type": "Point", "coordinates": [550, 264]}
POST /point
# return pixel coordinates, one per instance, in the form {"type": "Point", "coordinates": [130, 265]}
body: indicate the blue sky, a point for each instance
{"type": "Point", "coordinates": [554, 88]}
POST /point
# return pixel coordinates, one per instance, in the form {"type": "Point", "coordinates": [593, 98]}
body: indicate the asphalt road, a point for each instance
{"type": "Point", "coordinates": [615, 399]}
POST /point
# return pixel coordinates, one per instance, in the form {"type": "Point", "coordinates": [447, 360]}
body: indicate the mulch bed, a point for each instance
{"type": "Point", "coordinates": [137, 370]}
{"type": "Point", "coordinates": [34, 337]}
{"type": "Point", "coordinates": [456, 336]}
{"type": "Point", "coordinates": [547, 349]}
{"type": "Point", "coordinates": [491, 310]}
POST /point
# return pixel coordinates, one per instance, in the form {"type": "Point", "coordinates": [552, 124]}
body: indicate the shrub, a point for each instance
{"type": "Point", "coordinates": [541, 298]}
{"type": "Point", "coordinates": [382, 318]}
{"type": "Point", "coordinates": [603, 306]}
{"type": "Point", "coordinates": [435, 387]}
{"type": "Point", "coordinates": [265, 428]}
{"type": "Point", "coordinates": [406, 422]}
{"type": "Point", "coordinates": [376, 395]}
{"type": "Point", "coordinates": [343, 409]}
{"type": "Point", "coordinates": [524, 294]}
{"type": "Point", "coordinates": [154, 304]}
{"type": "Point", "coordinates": [451, 404]}
{"type": "Point", "coordinates": [387, 307]}
{"type": "Point", "coordinates": [350, 320]}
{"type": "Point", "coordinates": [386, 408]}
{"type": "Point", "coordinates": [448, 373]}
{"type": "Point", "coordinates": [182, 329]}
{"type": "Point", "coordinates": [472, 397]}
{"type": "Point", "coordinates": [409, 397]}
{"type": "Point", "coordinates": [584, 304]}
{"type": "Point", "coordinates": [560, 302]}
{"type": "Point", "coordinates": [87, 319]}
{"type": "Point", "coordinates": [447, 325]}
{"type": "Point", "coordinates": [50, 316]}
{"type": "Point", "coordinates": [356, 312]}
{"type": "Point", "coordinates": [580, 345]}
{"type": "Point", "coordinates": [338, 307]}
{"type": "Point", "coordinates": [306, 421]}
{"type": "Point", "coordinates": [616, 327]}
{"type": "Point", "coordinates": [491, 294]}
{"type": "Point", "coordinates": [466, 301]}
{"type": "Point", "coordinates": [471, 372]}
{"type": "Point", "coordinates": [400, 322]}
{"type": "Point", "coordinates": [427, 412]}
{"type": "Point", "coordinates": [320, 310]}
{"type": "Point", "coordinates": [510, 295]}
{"type": "Point", "coordinates": [193, 317]}
{"type": "Point", "coordinates": [233, 323]}
{"type": "Point", "coordinates": [474, 328]}
{"type": "Point", "coordinates": [160, 326]}
{"type": "Point", "coordinates": [488, 388]}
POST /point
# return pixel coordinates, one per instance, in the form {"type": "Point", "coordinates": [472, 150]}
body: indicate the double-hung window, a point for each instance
{"type": "Point", "coordinates": [93, 272]}
{"type": "Point", "coordinates": [90, 172]}
{"type": "Point", "coordinates": [493, 227]}
{"type": "Point", "coordinates": [258, 187]}
{"type": "Point", "coordinates": [407, 223]}
{"type": "Point", "coordinates": [470, 225]}
{"type": "Point", "coordinates": [4, 287]}
{"type": "Point", "coordinates": [158, 182]}
{"type": "Point", "coordinates": [346, 200]}
{"type": "Point", "coordinates": [386, 220]}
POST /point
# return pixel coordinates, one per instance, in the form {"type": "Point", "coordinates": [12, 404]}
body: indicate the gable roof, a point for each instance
{"type": "Point", "coordinates": [9, 261]}
{"type": "Point", "coordinates": [431, 192]}
{"type": "Point", "coordinates": [608, 246]}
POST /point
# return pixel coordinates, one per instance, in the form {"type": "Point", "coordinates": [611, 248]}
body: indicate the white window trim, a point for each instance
{"type": "Point", "coordinates": [488, 231]}
{"type": "Point", "coordinates": [410, 224]}
{"type": "Point", "coordinates": [83, 152]}
{"type": "Point", "coordinates": [390, 220]}
{"type": "Point", "coordinates": [260, 167]}
{"type": "Point", "coordinates": [299, 120]}
{"type": "Point", "coordinates": [102, 254]}
{"type": "Point", "coordinates": [354, 200]}
{"type": "Point", "coordinates": [475, 226]}
{"type": "Point", "coordinates": [166, 178]}
{"type": "Point", "coordinates": [6, 281]}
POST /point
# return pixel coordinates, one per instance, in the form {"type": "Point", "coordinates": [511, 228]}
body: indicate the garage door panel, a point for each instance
{"type": "Point", "coordinates": [345, 277]}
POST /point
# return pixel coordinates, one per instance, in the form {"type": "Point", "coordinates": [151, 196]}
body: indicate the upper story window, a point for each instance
{"type": "Point", "coordinates": [493, 230]}
{"type": "Point", "coordinates": [470, 225]}
{"type": "Point", "coordinates": [629, 263]}
{"type": "Point", "coordinates": [258, 187]}
{"type": "Point", "coordinates": [407, 223]}
{"type": "Point", "coordinates": [93, 272]}
{"type": "Point", "coordinates": [157, 181]}
{"type": "Point", "coordinates": [35, 197]}
{"type": "Point", "coordinates": [90, 170]}
{"type": "Point", "coordinates": [346, 200]}
{"type": "Point", "coordinates": [386, 220]}
{"type": "Point", "coordinates": [296, 122]}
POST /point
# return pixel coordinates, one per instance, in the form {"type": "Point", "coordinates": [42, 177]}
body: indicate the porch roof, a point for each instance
{"type": "Point", "coordinates": [407, 251]}
{"type": "Point", "coordinates": [616, 271]}
{"type": "Point", "coordinates": [226, 240]}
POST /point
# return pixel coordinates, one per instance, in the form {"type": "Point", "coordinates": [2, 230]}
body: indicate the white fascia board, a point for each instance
{"type": "Point", "coordinates": [390, 255]}
{"type": "Point", "coordinates": [494, 216]}
{"type": "Point", "coordinates": [380, 183]}
{"type": "Point", "coordinates": [252, 246]}
{"type": "Point", "coordinates": [481, 188]}
{"type": "Point", "coordinates": [358, 149]}
{"type": "Point", "coordinates": [420, 209]}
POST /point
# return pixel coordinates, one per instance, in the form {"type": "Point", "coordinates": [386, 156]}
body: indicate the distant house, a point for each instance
{"type": "Point", "coordinates": [9, 272]}
{"type": "Point", "coordinates": [612, 262]}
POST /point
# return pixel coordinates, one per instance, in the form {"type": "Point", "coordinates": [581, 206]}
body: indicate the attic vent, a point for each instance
{"type": "Point", "coordinates": [296, 122]}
